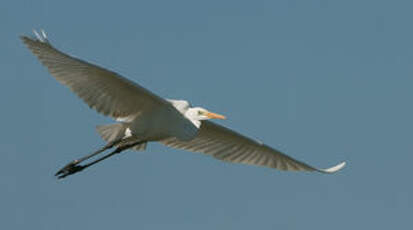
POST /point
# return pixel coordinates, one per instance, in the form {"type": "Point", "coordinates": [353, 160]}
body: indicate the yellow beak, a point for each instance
{"type": "Point", "coordinates": [215, 116]}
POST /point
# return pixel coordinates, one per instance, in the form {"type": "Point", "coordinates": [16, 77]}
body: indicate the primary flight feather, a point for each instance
{"type": "Point", "coordinates": [144, 117]}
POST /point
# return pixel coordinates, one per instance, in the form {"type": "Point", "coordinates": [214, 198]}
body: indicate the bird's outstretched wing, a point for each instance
{"type": "Point", "coordinates": [105, 91]}
{"type": "Point", "coordinates": [228, 145]}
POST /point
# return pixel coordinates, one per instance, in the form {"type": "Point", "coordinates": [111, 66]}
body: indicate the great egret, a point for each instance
{"type": "Point", "coordinates": [143, 117]}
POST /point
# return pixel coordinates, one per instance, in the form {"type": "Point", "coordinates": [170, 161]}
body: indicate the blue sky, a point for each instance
{"type": "Point", "coordinates": [323, 81]}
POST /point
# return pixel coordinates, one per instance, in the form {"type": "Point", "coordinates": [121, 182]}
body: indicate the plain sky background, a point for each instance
{"type": "Point", "coordinates": [323, 81]}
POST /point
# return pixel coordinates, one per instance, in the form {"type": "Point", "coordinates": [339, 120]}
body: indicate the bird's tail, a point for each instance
{"type": "Point", "coordinates": [114, 133]}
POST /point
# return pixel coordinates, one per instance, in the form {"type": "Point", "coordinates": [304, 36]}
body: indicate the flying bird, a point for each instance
{"type": "Point", "coordinates": [144, 117]}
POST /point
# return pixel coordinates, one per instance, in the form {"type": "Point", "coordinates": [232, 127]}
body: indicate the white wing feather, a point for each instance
{"type": "Point", "coordinates": [105, 91]}
{"type": "Point", "coordinates": [227, 145]}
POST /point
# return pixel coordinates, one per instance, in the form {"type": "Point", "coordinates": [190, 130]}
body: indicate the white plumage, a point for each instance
{"type": "Point", "coordinates": [144, 116]}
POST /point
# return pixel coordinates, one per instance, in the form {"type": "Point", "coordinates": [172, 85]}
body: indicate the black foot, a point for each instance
{"type": "Point", "coordinates": [69, 169]}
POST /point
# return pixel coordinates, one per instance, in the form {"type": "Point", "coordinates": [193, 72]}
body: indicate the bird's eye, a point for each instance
{"type": "Point", "coordinates": [200, 112]}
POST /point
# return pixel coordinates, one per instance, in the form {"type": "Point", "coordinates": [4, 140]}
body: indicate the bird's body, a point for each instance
{"type": "Point", "coordinates": [160, 123]}
{"type": "Point", "coordinates": [143, 117]}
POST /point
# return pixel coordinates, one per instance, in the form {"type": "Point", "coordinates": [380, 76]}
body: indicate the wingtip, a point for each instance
{"type": "Point", "coordinates": [38, 36]}
{"type": "Point", "coordinates": [335, 168]}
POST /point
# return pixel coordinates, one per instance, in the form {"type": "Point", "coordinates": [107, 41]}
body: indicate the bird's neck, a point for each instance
{"type": "Point", "coordinates": [190, 114]}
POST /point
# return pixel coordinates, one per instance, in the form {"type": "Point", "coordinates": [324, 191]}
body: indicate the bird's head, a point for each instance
{"type": "Point", "coordinates": [198, 114]}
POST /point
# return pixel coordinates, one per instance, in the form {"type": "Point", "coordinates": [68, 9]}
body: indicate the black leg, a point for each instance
{"type": "Point", "coordinates": [77, 168]}
{"type": "Point", "coordinates": [77, 161]}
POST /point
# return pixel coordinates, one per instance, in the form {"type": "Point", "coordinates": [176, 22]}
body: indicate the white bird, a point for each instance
{"type": "Point", "coordinates": [143, 117]}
